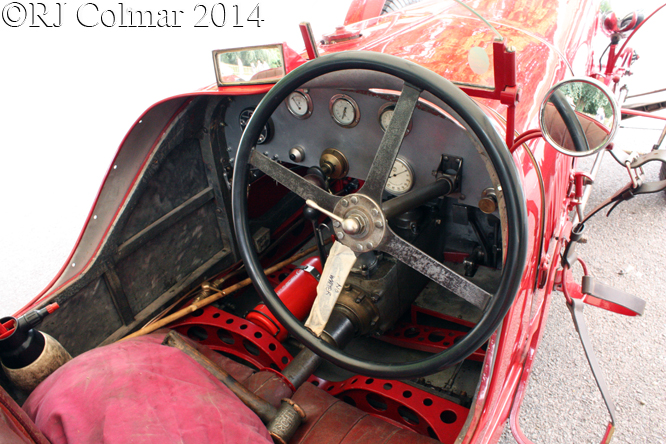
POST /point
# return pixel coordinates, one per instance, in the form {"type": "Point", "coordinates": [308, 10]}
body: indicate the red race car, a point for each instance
{"type": "Point", "coordinates": [353, 243]}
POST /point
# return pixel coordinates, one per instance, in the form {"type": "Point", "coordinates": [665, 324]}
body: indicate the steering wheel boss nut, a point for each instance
{"type": "Point", "coordinates": [364, 225]}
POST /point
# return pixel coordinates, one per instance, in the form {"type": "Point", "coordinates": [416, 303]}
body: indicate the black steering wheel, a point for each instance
{"type": "Point", "coordinates": [368, 201]}
{"type": "Point", "coordinates": [571, 121]}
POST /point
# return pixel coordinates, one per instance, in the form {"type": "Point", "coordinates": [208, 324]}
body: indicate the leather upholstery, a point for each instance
{"type": "Point", "coordinates": [15, 425]}
{"type": "Point", "coordinates": [332, 421]}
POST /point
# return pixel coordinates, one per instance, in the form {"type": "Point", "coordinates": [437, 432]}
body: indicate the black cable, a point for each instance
{"type": "Point", "coordinates": [602, 55]}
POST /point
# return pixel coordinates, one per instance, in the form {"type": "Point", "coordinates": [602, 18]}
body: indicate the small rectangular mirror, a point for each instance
{"type": "Point", "coordinates": [242, 66]}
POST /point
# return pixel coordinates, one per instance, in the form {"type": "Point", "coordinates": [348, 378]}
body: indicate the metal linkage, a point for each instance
{"type": "Point", "coordinates": [222, 331]}
{"type": "Point", "coordinates": [402, 404]}
{"type": "Point", "coordinates": [281, 423]}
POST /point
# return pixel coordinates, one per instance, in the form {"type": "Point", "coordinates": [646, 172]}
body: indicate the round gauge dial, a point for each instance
{"type": "Point", "coordinates": [344, 110]}
{"type": "Point", "coordinates": [385, 115]}
{"type": "Point", "coordinates": [299, 104]}
{"type": "Point", "coordinates": [245, 117]}
{"type": "Point", "coordinates": [401, 177]}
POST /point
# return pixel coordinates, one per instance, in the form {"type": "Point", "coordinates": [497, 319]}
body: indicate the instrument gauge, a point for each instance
{"type": "Point", "coordinates": [344, 110]}
{"type": "Point", "coordinates": [385, 115]}
{"type": "Point", "coordinates": [245, 117]}
{"type": "Point", "coordinates": [299, 104]}
{"type": "Point", "coordinates": [401, 177]}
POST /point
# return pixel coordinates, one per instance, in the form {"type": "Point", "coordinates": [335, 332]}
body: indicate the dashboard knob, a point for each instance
{"type": "Point", "coordinates": [297, 154]}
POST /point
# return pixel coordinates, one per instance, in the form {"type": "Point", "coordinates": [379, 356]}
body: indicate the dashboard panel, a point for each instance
{"type": "Point", "coordinates": [433, 133]}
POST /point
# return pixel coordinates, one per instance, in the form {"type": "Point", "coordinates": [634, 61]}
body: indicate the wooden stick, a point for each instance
{"type": "Point", "coordinates": [214, 297]}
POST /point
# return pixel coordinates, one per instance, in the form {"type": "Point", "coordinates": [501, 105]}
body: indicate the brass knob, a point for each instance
{"type": "Point", "coordinates": [334, 164]}
{"type": "Point", "coordinates": [488, 201]}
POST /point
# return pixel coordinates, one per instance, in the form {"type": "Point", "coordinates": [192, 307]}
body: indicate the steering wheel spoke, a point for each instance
{"type": "Point", "coordinates": [391, 142]}
{"type": "Point", "coordinates": [435, 270]}
{"type": "Point", "coordinates": [293, 181]}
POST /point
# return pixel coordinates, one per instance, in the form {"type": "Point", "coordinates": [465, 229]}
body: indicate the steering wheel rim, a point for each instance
{"type": "Point", "coordinates": [423, 79]}
{"type": "Point", "coordinates": [571, 122]}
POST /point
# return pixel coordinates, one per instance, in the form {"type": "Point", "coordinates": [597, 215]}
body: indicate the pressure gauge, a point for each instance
{"type": "Point", "coordinates": [245, 117]}
{"type": "Point", "coordinates": [385, 115]}
{"type": "Point", "coordinates": [401, 177]}
{"type": "Point", "coordinates": [299, 104]}
{"type": "Point", "coordinates": [344, 110]}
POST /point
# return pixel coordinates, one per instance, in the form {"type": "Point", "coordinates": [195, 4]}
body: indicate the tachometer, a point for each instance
{"type": "Point", "coordinates": [401, 178]}
{"type": "Point", "coordinates": [344, 110]}
{"type": "Point", "coordinates": [245, 117]}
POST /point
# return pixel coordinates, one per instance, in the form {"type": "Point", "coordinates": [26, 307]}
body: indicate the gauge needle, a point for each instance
{"type": "Point", "coordinates": [403, 171]}
{"type": "Point", "coordinates": [344, 112]}
{"type": "Point", "coordinates": [296, 103]}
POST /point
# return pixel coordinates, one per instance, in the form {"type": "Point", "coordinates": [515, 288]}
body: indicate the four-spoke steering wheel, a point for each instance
{"type": "Point", "coordinates": [363, 219]}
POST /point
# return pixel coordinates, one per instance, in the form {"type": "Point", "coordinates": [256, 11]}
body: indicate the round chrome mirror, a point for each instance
{"type": "Point", "coordinates": [579, 117]}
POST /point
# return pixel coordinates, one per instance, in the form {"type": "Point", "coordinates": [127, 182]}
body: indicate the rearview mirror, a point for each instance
{"type": "Point", "coordinates": [242, 66]}
{"type": "Point", "coordinates": [579, 117]}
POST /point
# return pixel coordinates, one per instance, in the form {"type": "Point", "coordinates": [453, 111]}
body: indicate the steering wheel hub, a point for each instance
{"type": "Point", "coordinates": [364, 225]}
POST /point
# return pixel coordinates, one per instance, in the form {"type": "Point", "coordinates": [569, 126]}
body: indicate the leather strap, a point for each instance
{"type": "Point", "coordinates": [612, 299]}
{"type": "Point", "coordinates": [576, 308]}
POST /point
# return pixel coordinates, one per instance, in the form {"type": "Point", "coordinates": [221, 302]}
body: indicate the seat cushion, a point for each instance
{"type": "Point", "coordinates": [139, 391]}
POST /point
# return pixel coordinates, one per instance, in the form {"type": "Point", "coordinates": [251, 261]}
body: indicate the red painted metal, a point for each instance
{"type": "Point", "coordinates": [297, 292]}
{"type": "Point", "coordinates": [639, 27]}
{"type": "Point", "coordinates": [619, 61]}
{"type": "Point", "coordinates": [363, 10]}
{"type": "Point", "coordinates": [341, 34]}
{"type": "Point", "coordinates": [402, 404]}
{"type": "Point", "coordinates": [564, 282]}
{"type": "Point", "coordinates": [633, 112]}
{"type": "Point", "coordinates": [415, 310]}
{"type": "Point", "coordinates": [429, 339]}
{"type": "Point", "coordinates": [222, 331]}
{"type": "Point", "coordinates": [525, 137]}
{"type": "Point", "coordinates": [456, 257]}
{"type": "Point", "coordinates": [310, 47]}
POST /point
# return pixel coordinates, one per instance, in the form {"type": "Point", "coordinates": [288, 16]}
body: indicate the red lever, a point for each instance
{"type": "Point", "coordinates": [7, 328]}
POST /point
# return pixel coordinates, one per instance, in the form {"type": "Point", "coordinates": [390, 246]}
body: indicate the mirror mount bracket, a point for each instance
{"type": "Point", "coordinates": [506, 89]}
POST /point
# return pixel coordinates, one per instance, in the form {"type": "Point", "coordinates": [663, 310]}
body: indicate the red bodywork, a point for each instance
{"type": "Point", "coordinates": [543, 41]}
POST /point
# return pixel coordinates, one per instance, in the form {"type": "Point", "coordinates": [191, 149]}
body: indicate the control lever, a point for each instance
{"type": "Point", "coordinates": [312, 215]}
